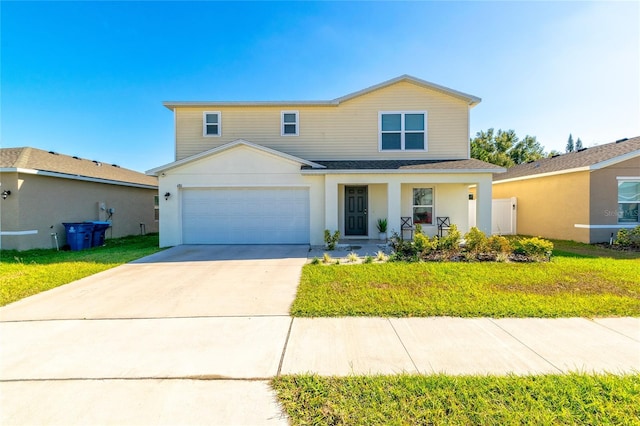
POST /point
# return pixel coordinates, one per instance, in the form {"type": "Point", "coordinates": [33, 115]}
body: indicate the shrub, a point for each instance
{"type": "Point", "coordinates": [534, 247]}
{"type": "Point", "coordinates": [628, 238]}
{"type": "Point", "coordinates": [476, 241]}
{"type": "Point", "coordinates": [315, 261]}
{"type": "Point", "coordinates": [451, 242]}
{"type": "Point", "coordinates": [353, 257]}
{"type": "Point", "coordinates": [368, 259]}
{"type": "Point", "coordinates": [380, 256]}
{"type": "Point", "coordinates": [423, 245]}
{"type": "Point", "coordinates": [326, 258]}
{"type": "Point", "coordinates": [403, 250]}
{"type": "Point", "coordinates": [330, 239]}
{"type": "Point", "coordinates": [499, 244]}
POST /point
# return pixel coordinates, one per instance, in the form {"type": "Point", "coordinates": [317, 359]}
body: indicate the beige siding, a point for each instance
{"type": "Point", "coordinates": [346, 131]}
{"type": "Point", "coordinates": [44, 203]}
{"type": "Point", "coordinates": [550, 206]}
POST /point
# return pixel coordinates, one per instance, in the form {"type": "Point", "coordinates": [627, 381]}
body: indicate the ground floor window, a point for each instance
{"type": "Point", "coordinates": [628, 201]}
{"type": "Point", "coordinates": [156, 207]}
{"type": "Point", "coordinates": [423, 206]}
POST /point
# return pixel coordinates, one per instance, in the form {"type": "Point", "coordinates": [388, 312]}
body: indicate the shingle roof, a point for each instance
{"type": "Point", "coordinates": [574, 160]}
{"type": "Point", "coordinates": [37, 159]}
{"type": "Point", "coordinates": [471, 164]}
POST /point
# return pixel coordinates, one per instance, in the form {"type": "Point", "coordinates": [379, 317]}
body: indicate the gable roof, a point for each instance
{"type": "Point", "coordinates": [237, 143]}
{"type": "Point", "coordinates": [470, 99]}
{"type": "Point", "coordinates": [37, 161]}
{"type": "Point", "coordinates": [592, 158]}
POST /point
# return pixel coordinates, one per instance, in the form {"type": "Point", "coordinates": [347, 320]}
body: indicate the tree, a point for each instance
{"type": "Point", "coordinates": [578, 145]}
{"type": "Point", "coordinates": [503, 148]}
{"type": "Point", "coordinates": [570, 146]}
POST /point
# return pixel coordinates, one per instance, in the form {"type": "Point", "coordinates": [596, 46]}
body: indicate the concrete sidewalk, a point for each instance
{"type": "Point", "coordinates": [216, 370]}
{"type": "Point", "coordinates": [343, 346]}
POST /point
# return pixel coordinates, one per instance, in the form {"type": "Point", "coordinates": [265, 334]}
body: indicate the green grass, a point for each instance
{"type": "Point", "coordinates": [564, 287]}
{"type": "Point", "coordinates": [574, 249]}
{"type": "Point", "coordinates": [26, 273]}
{"type": "Point", "coordinates": [600, 399]}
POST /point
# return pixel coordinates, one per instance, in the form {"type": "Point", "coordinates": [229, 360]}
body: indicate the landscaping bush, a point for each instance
{"type": "Point", "coordinates": [331, 239]}
{"type": "Point", "coordinates": [477, 248]}
{"type": "Point", "coordinates": [451, 242]}
{"type": "Point", "coordinates": [476, 241]}
{"type": "Point", "coordinates": [499, 244]}
{"type": "Point", "coordinates": [534, 247]}
{"type": "Point", "coordinates": [628, 238]}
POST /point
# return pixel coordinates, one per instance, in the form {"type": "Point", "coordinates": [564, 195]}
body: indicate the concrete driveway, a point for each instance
{"type": "Point", "coordinates": [183, 281]}
{"type": "Point", "coordinates": [135, 344]}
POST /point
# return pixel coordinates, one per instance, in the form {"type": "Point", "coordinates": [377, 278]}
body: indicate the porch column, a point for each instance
{"type": "Point", "coordinates": [394, 207]}
{"type": "Point", "coordinates": [330, 204]}
{"type": "Point", "coordinates": [483, 205]}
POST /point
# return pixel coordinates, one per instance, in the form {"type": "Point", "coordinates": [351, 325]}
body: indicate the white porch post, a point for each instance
{"type": "Point", "coordinates": [483, 205]}
{"type": "Point", "coordinates": [394, 207]}
{"type": "Point", "coordinates": [331, 204]}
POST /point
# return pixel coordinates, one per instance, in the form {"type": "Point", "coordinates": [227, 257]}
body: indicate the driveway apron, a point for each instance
{"type": "Point", "coordinates": [160, 333]}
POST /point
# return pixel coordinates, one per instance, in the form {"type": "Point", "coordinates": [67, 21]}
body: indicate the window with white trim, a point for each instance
{"type": "Point", "coordinates": [211, 123]}
{"type": "Point", "coordinates": [423, 206]}
{"type": "Point", "coordinates": [403, 131]}
{"type": "Point", "coordinates": [289, 123]}
{"type": "Point", "coordinates": [628, 201]}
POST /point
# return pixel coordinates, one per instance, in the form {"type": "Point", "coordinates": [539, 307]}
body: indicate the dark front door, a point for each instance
{"type": "Point", "coordinates": [355, 210]}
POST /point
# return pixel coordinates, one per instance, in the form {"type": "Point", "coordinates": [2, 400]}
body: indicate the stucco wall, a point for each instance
{"type": "Point", "coordinates": [43, 203]}
{"type": "Point", "coordinates": [329, 132]}
{"type": "Point", "coordinates": [550, 206]}
{"type": "Point", "coordinates": [604, 197]}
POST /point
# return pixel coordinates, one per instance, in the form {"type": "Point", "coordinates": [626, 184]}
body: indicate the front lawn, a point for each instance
{"type": "Point", "coordinates": [461, 400]}
{"type": "Point", "coordinates": [25, 273]}
{"type": "Point", "coordinates": [564, 287]}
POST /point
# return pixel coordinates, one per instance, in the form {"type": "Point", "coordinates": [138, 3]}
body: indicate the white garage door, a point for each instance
{"type": "Point", "coordinates": [245, 216]}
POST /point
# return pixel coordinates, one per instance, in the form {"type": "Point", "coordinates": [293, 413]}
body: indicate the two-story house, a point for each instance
{"type": "Point", "coordinates": [283, 172]}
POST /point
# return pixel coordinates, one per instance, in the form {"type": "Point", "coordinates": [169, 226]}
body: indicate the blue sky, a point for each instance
{"type": "Point", "coordinates": [89, 78]}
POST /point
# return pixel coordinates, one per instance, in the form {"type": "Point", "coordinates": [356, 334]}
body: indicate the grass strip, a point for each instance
{"type": "Point", "coordinates": [25, 273]}
{"type": "Point", "coordinates": [576, 398]}
{"type": "Point", "coordinates": [564, 287]}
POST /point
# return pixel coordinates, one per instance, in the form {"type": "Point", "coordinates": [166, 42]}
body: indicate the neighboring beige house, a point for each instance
{"type": "Point", "coordinates": [41, 190]}
{"type": "Point", "coordinates": [283, 172]}
{"type": "Point", "coordinates": [584, 196]}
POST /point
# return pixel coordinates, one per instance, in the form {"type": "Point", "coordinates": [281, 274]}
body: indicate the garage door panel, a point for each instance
{"type": "Point", "coordinates": [245, 216]}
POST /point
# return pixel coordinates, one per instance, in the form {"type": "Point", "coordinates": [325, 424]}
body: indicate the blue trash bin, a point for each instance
{"type": "Point", "coordinates": [99, 228]}
{"type": "Point", "coordinates": [79, 235]}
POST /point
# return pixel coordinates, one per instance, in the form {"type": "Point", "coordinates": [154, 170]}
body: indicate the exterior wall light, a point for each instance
{"type": "Point", "coordinates": [5, 194]}
{"type": "Point", "coordinates": [167, 195]}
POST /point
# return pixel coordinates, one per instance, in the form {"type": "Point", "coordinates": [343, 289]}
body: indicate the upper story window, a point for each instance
{"type": "Point", "coordinates": [289, 126]}
{"type": "Point", "coordinates": [211, 123]}
{"type": "Point", "coordinates": [628, 201]}
{"type": "Point", "coordinates": [403, 131]}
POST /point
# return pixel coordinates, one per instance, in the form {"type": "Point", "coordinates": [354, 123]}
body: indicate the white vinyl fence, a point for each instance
{"type": "Point", "coordinates": [503, 215]}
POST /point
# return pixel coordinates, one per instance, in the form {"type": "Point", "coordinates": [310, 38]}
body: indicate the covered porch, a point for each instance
{"type": "Point", "coordinates": [355, 202]}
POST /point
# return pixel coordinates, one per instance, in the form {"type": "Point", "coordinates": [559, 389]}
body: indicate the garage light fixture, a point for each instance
{"type": "Point", "coordinates": [5, 194]}
{"type": "Point", "coordinates": [167, 195]}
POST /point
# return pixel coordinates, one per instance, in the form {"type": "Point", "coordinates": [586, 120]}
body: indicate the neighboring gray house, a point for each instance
{"type": "Point", "coordinates": [40, 190]}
